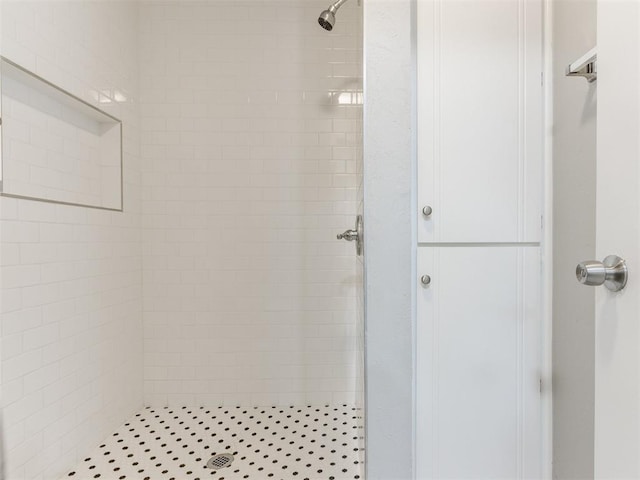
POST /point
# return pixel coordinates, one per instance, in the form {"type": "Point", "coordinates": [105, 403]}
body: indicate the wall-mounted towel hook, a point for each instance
{"type": "Point", "coordinates": [585, 66]}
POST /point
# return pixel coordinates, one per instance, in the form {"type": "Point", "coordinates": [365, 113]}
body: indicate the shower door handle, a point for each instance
{"type": "Point", "coordinates": [354, 235]}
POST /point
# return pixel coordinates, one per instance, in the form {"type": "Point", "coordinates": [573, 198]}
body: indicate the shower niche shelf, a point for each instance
{"type": "Point", "coordinates": [55, 147]}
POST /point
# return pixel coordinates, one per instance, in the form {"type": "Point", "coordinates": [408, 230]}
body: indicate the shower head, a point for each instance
{"type": "Point", "coordinates": [327, 19]}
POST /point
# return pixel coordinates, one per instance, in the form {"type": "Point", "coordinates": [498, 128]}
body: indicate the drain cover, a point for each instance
{"type": "Point", "coordinates": [220, 461]}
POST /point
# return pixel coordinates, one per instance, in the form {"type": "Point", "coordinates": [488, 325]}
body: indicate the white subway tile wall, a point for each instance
{"type": "Point", "coordinates": [71, 277]}
{"type": "Point", "coordinates": [250, 126]}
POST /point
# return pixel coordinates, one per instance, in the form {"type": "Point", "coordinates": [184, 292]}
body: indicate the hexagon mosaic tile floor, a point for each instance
{"type": "Point", "coordinates": [267, 443]}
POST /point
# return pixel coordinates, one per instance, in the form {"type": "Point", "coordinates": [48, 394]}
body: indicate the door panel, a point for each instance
{"type": "Point", "coordinates": [479, 120]}
{"type": "Point", "coordinates": [478, 363]}
{"type": "Point", "coordinates": [617, 359]}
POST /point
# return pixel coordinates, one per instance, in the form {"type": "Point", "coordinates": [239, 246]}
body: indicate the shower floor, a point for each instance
{"type": "Point", "coordinates": [279, 443]}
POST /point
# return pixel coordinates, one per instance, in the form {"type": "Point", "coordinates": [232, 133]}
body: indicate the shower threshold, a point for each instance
{"type": "Point", "coordinates": [279, 443]}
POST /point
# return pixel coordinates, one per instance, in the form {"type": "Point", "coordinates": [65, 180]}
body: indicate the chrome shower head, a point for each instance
{"type": "Point", "coordinates": [327, 19]}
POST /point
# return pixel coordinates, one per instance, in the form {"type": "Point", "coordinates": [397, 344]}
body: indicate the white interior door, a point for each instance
{"type": "Point", "coordinates": [617, 359]}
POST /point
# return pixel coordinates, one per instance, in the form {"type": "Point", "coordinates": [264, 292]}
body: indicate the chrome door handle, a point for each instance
{"type": "Point", "coordinates": [611, 272]}
{"type": "Point", "coordinates": [354, 235]}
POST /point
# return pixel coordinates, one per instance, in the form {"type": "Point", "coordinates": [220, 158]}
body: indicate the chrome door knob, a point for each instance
{"type": "Point", "coordinates": [611, 272]}
{"type": "Point", "coordinates": [425, 280]}
{"type": "Point", "coordinates": [427, 210]}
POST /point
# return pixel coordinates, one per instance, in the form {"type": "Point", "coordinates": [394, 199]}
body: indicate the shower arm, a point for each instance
{"type": "Point", "coordinates": [336, 5]}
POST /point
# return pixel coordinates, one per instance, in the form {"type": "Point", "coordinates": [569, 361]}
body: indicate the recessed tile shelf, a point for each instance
{"type": "Point", "coordinates": [57, 147]}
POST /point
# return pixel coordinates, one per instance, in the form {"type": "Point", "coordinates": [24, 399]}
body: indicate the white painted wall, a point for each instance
{"type": "Point", "coordinates": [71, 277]}
{"type": "Point", "coordinates": [250, 132]}
{"type": "Point", "coordinates": [389, 236]}
{"type": "Point", "coordinates": [574, 199]}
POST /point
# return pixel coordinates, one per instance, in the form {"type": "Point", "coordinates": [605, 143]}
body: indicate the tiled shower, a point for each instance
{"type": "Point", "coordinates": [220, 291]}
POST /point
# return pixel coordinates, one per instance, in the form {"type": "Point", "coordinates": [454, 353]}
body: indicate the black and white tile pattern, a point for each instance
{"type": "Point", "coordinates": [279, 443]}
